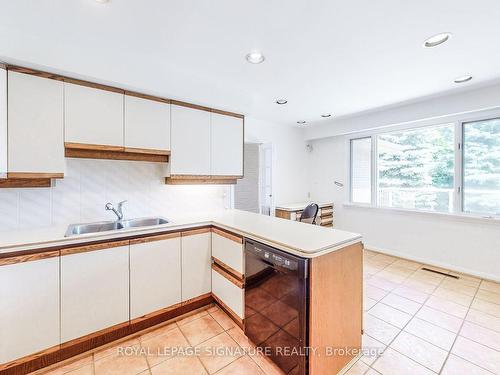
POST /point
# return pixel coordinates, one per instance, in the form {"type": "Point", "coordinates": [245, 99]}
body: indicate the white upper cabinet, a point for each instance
{"type": "Point", "coordinates": [29, 308]}
{"type": "Point", "coordinates": [227, 145]}
{"type": "Point", "coordinates": [35, 124]}
{"type": "Point", "coordinates": [155, 275]}
{"type": "Point", "coordinates": [196, 264]}
{"type": "Point", "coordinates": [93, 116]}
{"type": "Point", "coordinates": [147, 124]}
{"type": "Point", "coordinates": [3, 123]}
{"type": "Point", "coordinates": [190, 141]}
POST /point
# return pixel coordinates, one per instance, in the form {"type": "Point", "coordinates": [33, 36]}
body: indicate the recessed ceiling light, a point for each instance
{"type": "Point", "coordinates": [437, 39]}
{"type": "Point", "coordinates": [463, 79]}
{"type": "Point", "coordinates": [255, 57]}
{"type": "Point", "coordinates": [301, 122]}
{"type": "Point", "coordinates": [281, 101]}
{"type": "Point", "coordinates": [326, 115]}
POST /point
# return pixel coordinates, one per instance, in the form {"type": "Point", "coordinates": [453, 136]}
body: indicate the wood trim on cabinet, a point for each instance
{"type": "Point", "coordinates": [226, 113]}
{"type": "Point", "coordinates": [235, 317]}
{"type": "Point", "coordinates": [336, 279]}
{"type": "Point", "coordinates": [159, 237]}
{"type": "Point", "coordinates": [78, 150]}
{"type": "Point", "coordinates": [3, 66]}
{"type": "Point", "coordinates": [35, 175]}
{"type": "Point", "coordinates": [200, 181]}
{"type": "Point", "coordinates": [228, 235]}
{"type": "Point", "coordinates": [25, 183]}
{"type": "Point", "coordinates": [228, 269]}
{"type": "Point", "coordinates": [93, 85]}
{"type": "Point", "coordinates": [28, 257]}
{"type": "Point", "coordinates": [194, 232]}
{"type": "Point", "coordinates": [93, 247]}
{"type": "Point", "coordinates": [149, 151]}
{"type": "Point", "coordinates": [221, 271]}
{"type": "Point", "coordinates": [147, 97]}
{"type": "Point", "coordinates": [34, 72]}
{"type": "Point", "coordinates": [93, 147]}
{"type": "Point", "coordinates": [282, 214]}
{"type": "Point", "coordinates": [190, 105]}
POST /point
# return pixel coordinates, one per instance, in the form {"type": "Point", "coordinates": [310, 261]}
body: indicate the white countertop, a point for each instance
{"type": "Point", "coordinates": [301, 239]}
{"type": "Point", "coordinates": [300, 205]}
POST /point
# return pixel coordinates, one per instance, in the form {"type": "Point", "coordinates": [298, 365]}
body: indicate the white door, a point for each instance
{"type": "Point", "coordinates": [3, 123]}
{"type": "Point", "coordinates": [190, 141]}
{"type": "Point", "coordinates": [196, 264]}
{"type": "Point", "coordinates": [147, 124]}
{"type": "Point", "coordinates": [29, 308]}
{"type": "Point", "coordinates": [227, 145]}
{"type": "Point", "coordinates": [266, 179]}
{"type": "Point", "coordinates": [155, 275]}
{"type": "Point", "coordinates": [35, 124]}
{"type": "Point", "coordinates": [93, 116]}
{"type": "Point", "coordinates": [94, 291]}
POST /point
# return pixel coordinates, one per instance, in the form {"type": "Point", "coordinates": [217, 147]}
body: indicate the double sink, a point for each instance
{"type": "Point", "coordinates": [105, 226]}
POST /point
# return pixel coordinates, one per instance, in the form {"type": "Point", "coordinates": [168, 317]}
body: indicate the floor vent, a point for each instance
{"type": "Point", "coordinates": [441, 273]}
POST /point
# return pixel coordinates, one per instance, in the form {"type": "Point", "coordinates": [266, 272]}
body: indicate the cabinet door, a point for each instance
{"type": "Point", "coordinates": [228, 248]}
{"type": "Point", "coordinates": [227, 145]}
{"type": "Point", "coordinates": [94, 291]}
{"type": "Point", "coordinates": [196, 264]}
{"type": "Point", "coordinates": [231, 295]}
{"type": "Point", "coordinates": [147, 124]}
{"type": "Point", "coordinates": [3, 123]}
{"type": "Point", "coordinates": [190, 141]}
{"type": "Point", "coordinates": [155, 275]}
{"type": "Point", "coordinates": [29, 308]}
{"type": "Point", "coordinates": [93, 116]}
{"type": "Point", "coordinates": [35, 124]}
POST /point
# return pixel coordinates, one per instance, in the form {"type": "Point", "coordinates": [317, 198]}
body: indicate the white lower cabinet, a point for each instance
{"type": "Point", "coordinates": [196, 264]}
{"type": "Point", "coordinates": [228, 248]}
{"type": "Point", "coordinates": [230, 294]}
{"type": "Point", "coordinates": [29, 308]}
{"type": "Point", "coordinates": [155, 274]}
{"type": "Point", "coordinates": [94, 290]}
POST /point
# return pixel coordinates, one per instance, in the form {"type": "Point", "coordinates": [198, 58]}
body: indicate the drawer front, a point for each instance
{"type": "Point", "coordinates": [228, 293]}
{"type": "Point", "coordinates": [228, 251]}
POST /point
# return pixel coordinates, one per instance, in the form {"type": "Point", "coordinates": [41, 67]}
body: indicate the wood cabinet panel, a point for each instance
{"type": "Point", "coordinates": [93, 116]}
{"type": "Point", "coordinates": [147, 124]}
{"type": "Point", "coordinates": [29, 308]}
{"type": "Point", "coordinates": [94, 291]}
{"type": "Point", "coordinates": [196, 265]}
{"type": "Point", "coordinates": [35, 124]}
{"type": "Point", "coordinates": [227, 145]}
{"type": "Point", "coordinates": [155, 275]}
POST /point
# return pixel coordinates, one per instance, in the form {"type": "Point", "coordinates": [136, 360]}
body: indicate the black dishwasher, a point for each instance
{"type": "Point", "coordinates": [276, 305]}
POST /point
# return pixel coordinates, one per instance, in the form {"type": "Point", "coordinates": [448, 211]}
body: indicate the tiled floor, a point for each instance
{"type": "Point", "coordinates": [416, 322]}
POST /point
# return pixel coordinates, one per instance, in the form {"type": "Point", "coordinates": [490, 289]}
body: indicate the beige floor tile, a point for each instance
{"type": "Point", "coordinates": [390, 315]}
{"type": "Point", "coordinates": [225, 348]}
{"type": "Point", "coordinates": [420, 286]}
{"type": "Point", "coordinates": [242, 366]}
{"type": "Point", "coordinates": [483, 319]}
{"type": "Point", "coordinates": [398, 269]}
{"type": "Point", "coordinates": [457, 366]}
{"type": "Point", "coordinates": [213, 308]}
{"type": "Point", "coordinates": [488, 296]}
{"type": "Point", "coordinates": [409, 264]}
{"type": "Point", "coordinates": [237, 335]}
{"type": "Point", "coordinates": [367, 253]}
{"type": "Point", "coordinates": [225, 321]}
{"type": "Point", "coordinates": [450, 295]}
{"type": "Point", "coordinates": [121, 365]}
{"type": "Point", "coordinates": [374, 293]}
{"type": "Point", "coordinates": [394, 363]}
{"type": "Point", "coordinates": [159, 331]}
{"type": "Point", "coordinates": [431, 333]}
{"type": "Point", "coordinates": [487, 307]}
{"type": "Point", "coordinates": [87, 369]}
{"type": "Point", "coordinates": [189, 365]}
{"type": "Point", "coordinates": [192, 317]}
{"type": "Point", "coordinates": [481, 335]}
{"type": "Point", "coordinates": [426, 277]}
{"type": "Point", "coordinates": [368, 303]}
{"type": "Point", "coordinates": [460, 286]}
{"type": "Point", "coordinates": [201, 329]}
{"type": "Point", "coordinates": [382, 283]}
{"type": "Point", "coordinates": [372, 349]}
{"type": "Point", "coordinates": [116, 348]}
{"type": "Point", "coordinates": [266, 365]}
{"type": "Point", "coordinates": [447, 306]}
{"type": "Point", "coordinates": [401, 303]}
{"type": "Point", "coordinates": [359, 368]}
{"type": "Point", "coordinates": [439, 318]}
{"type": "Point", "coordinates": [490, 286]}
{"type": "Point", "coordinates": [380, 330]}
{"type": "Point", "coordinates": [70, 365]}
{"type": "Point", "coordinates": [420, 351]}
{"type": "Point", "coordinates": [392, 276]}
{"type": "Point", "coordinates": [478, 354]}
{"type": "Point", "coordinates": [411, 293]}
{"type": "Point", "coordinates": [466, 279]}
{"type": "Point", "coordinates": [372, 372]}
{"type": "Point", "coordinates": [385, 258]}
{"type": "Point", "coordinates": [162, 347]}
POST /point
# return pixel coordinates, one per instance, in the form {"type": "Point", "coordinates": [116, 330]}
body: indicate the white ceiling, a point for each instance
{"type": "Point", "coordinates": [322, 55]}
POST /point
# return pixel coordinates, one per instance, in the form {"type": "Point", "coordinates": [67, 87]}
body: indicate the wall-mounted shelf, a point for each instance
{"type": "Point", "coordinates": [86, 151]}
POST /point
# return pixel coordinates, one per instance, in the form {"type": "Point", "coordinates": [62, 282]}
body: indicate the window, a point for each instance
{"type": "Point", "coordinates": [481, 167]}
{"type": "Point", "coordinates": [361, 166]}
{"type": "Point", "coordinates": [416, 169]}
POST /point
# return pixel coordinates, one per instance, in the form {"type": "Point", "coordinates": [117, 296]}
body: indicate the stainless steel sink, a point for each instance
{"type": "Point", "coordinates": [105, 226]}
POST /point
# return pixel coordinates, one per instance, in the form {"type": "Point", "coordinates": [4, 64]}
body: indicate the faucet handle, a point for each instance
{"type": "Point", "coordinates": [108, 206]}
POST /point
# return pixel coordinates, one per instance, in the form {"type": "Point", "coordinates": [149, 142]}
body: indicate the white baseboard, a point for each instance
{"type": "Point", "coordinates": [451, 267]}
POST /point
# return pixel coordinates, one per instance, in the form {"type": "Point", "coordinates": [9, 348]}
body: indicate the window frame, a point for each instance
{"type": "Point", "coordinates": [351, 140]}
{"type": "Point", "coordinates": [458, 180]}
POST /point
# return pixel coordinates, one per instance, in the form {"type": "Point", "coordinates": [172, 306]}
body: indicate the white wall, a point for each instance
{"type": "Point", "coordinates": [465, 245]}
{"type": "Point", "coordinates": [89, 184]}
{"type": "Point", "coordinates": [290, 158]}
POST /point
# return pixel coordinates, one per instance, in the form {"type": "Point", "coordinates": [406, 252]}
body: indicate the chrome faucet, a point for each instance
{"type": "Point", "coordinates": [118, 211]}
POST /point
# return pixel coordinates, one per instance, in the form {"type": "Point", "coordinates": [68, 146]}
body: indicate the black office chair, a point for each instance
{"type": "Point", "coordinates": [309, 214]}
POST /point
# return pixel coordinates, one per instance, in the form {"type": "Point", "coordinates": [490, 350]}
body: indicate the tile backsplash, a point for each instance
{"type": "Point", "coordinates": [87, 186]}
